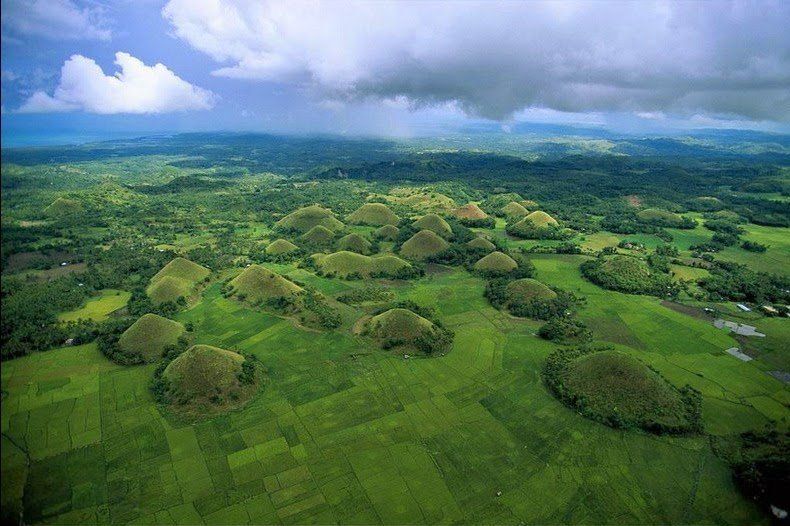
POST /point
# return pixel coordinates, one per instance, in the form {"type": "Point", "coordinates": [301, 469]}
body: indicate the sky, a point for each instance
{"type": "Point", "coordinates": [101, 68]}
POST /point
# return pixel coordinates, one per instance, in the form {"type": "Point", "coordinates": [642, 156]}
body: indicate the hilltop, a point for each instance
{"type": "Point", "coordinates": [176, 280]}
{"type": "Point", "coordinates": [435, 224]}
{"type": "Point", "coordinates": [148, 337]}
{"type": "Point", "coordinates": [306, 218]}
{"type": "Point", "coordinates": [345, 263]}
{"type": "Point", "coordinates": [354, 243]}
{"type": "Point", "coordinates": [258, 284]}
{"type": "Point", "coordinates": [280, 247]}
{"type": "Point", "coordinates": [373, 214]}
{"type": "Point", "coordinates": [423, 244]}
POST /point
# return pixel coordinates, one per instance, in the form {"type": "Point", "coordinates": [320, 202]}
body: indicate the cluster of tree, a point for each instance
{"type": "Point", "coordinates": [650, 281]}
{"type": "Point", "coordinates": [526, 231]}
{"type": "Point", "coordinates": [731, 281]}
{"type": "Point", "coordinates": [372, 293]}
{"type": "Point", "coordinates": [565, 330]}
{"type": "Point", "coordinates": [627, 222]}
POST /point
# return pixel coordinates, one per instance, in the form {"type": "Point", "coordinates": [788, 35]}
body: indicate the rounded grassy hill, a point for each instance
{"type": "Point", "coordinates": [539, 219]}
{"type": "Point", "coordinates": [481, 243]}
{"type": "Point", "coordinates": [435, 224]}
{"type": "Point", "coordinates": [354, 243]}
{"type": "Point", "coordinates": [304, 219]}
{"type": "Point", "coordinates": [206, 378]}
{"type": "Point", "coordinates": [257, 283]}
{"type": "Point", "coordinates": [469, 211]}
{"type": "Point", "coordinates": [660, 217]}
{"type": "Point", "coordinates": [707, 203]}
{"type": "Point", "coordinates": [280, 247]}
{"type": "Point", "coordinates": [319, 235]}
{"type": "Point", "coordinates": [177, 279]}
{"type": "Point", "coordinates": [345, 263]}
{"type": "Point", "coordinates": [432, 201]}
{"type": "Point", "coordinates": [373, 214]}
{"type": "Point", "coordinates": [498, 262]}
{"type": "Point", "coordinates": [423, 244]}
{"type": "Point", "coordinates": [527, 289]}
{"type": "Point", "coordinates": [514, 209]}
{"type": "Point", "coordinates": [387, 233]}
{"type": "Point", "coordinates": [400, 327]}
{"type": "Point", "coordinates": [619, 390]}
{"type": "Point", "coordinates": [148, 337]}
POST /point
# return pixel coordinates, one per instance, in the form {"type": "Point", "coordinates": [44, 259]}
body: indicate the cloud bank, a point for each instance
{"type": "Point", "coordinates": [136, 88]}
{"type": "Point", "coordinates": [55, 19]}
{"type": "Point", "coordinates": [494, 59]}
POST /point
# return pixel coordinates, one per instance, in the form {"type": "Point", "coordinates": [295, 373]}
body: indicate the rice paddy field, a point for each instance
{"type": "Point", "coordinates": [343, 433]}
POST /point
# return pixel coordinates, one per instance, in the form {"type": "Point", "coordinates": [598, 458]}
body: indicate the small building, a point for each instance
{"type": "Point", "coordinates": [743, 307]}
{"type": "Point", "coordinates": [770, 310]}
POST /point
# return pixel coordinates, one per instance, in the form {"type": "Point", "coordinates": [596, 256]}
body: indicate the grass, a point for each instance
{"type": "Point", "coordinates": [346, 263]}
{"type": "Point", "coordinates": [257, 283]}
{"type": "Point", "coordinates": [280, 246]}
{"type": "Point", "coordinates": [62, 207]}
{"type": "Point", "coordinates": [496, 262]}
{"type": "Point", "coordinates": [423, 244]}
{"type": "Point", "coordinates": [176, 280]}
{"type": "Point", "coordinates": [655, 215]}
{"type": "Point", "coordinates": [387, 233]}
{"type": "Point", "coordinates": [514, 209]}
{"type": "Point", "coordinates": [149, 336]}
{"type": "Point", "coordinates": [98, 308]}
{"type": "Point", "coordinates": [527, 289]}
{"type": "Point", "coordinates": [435, 224]}
{"type": "Point", "coordinates": [373, 214]}
{"type": "Point", "coordinates": [345, 435]}
{"type": "Point", "coordinates": [469, 211]}
{"type": "Point", "coordinates": [182, 269]}
{"type": "Point", "coordinates": [354, 243]}
{"type": "Point", "coordinates": [482, 243]}
{"type": "Point", "coordinates": [539, 218]}
{"type": "Point", "coordinates": [399, 324]}
{"type": "Point", "coordinates": [206, 378]}
{"type": "Point", "coordinates": [168, 288]}
{"type": "Point", "coordinates": [319, 235]}
{"type": "Point", "coordinates": [616, 388]}
{"type": "Point", "coordinates": [304, 219]}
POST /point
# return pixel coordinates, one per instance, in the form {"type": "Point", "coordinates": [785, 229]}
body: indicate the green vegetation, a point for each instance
{"type": "Point", "coordinates": [387, 233]}
{"type": "Point", "coordinates": [373, 214]}
{"type": "Point", "coordinates": [354, 243]}
{"type": "Point", "coordinates": [62, 208]}
{"type": "Point", "coordinates": [514, 210]}
{"type": "Point", "coordinates": [257, 284]}
{"type": "Point", "coordinates": [176, 280]}
{"type": "Point", "coordinates": [469, 211]}
{"type": "Point", "coordinates": [618, 390]}
{"type": "Point", "coordinates": [496, 263]}
{"type": "Point", "coordinates": [536, 225]}
{"type": "Point", "coordinates": [403, 328]}
{"type": "Point", "coordinates": [318, 236]}
{"type": "Point", "coordinates": [481, 243]}
{"type": "Point", "coordinates": [435, 224]}
{"type": "Point", "coordinates": [664, 218]}
{"type": "Point", "coordinates": [205, 380]}
{"type": "Point", "coordinates": [628, 274]}
{"type": "Point", "coordinates": [345, 264]}
{"type": "Point", "coordinates": [148, 338]}
{"type": "Point", "coordinates": [305, 219]}
{"type": "Point", "coordinates": [319, 425]}
{"type": "Point", "coordinates": [423, 245]}
{"type": "Point", "coordinates": [280, 247]}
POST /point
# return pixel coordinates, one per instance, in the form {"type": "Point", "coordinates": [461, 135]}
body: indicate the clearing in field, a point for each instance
{"type": "Point", "coordinates": [345, 263]}
{"type": "Point", "coordinates": [435, 224]}
{"type": "Point", "coordinates": [148, 337]}
{"type": "Point", "coordinates": [304, 219]}
{"type": "Point", "coordinates": [373, 214]}
{"type": "Point", "coordinates": [98, 308]}
{"type": "Point", "coordinates": [616, 389]}
{"type": "Point", "coordinates": [354, 243]}
{"type": "Point", "coordinates": [258, 284]}
{"type": "Point", "coordinates": [423, 244]}
{"type": "Point", "coordinates": [496, 262]}
{"type": "Point", "coordinates": [205, 380]}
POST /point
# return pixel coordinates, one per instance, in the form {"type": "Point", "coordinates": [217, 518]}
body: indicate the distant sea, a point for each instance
{"type": "Point", "coordinates": [12, 139]}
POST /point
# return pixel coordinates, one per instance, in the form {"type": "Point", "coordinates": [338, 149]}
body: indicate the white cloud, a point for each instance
{"type": "Point", "coordinates": [136, 88]}
{"type": "Point", "coordinates": [496, 58]}
{"type": "Point", "coordinates": [55, 19]}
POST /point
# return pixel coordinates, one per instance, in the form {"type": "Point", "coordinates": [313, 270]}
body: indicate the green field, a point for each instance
{"type": "Point", "coordinates": [98, 308]}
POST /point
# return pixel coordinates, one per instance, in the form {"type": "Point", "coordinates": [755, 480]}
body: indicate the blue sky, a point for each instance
{"type": "Point", "coordinates": [102, 68]}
